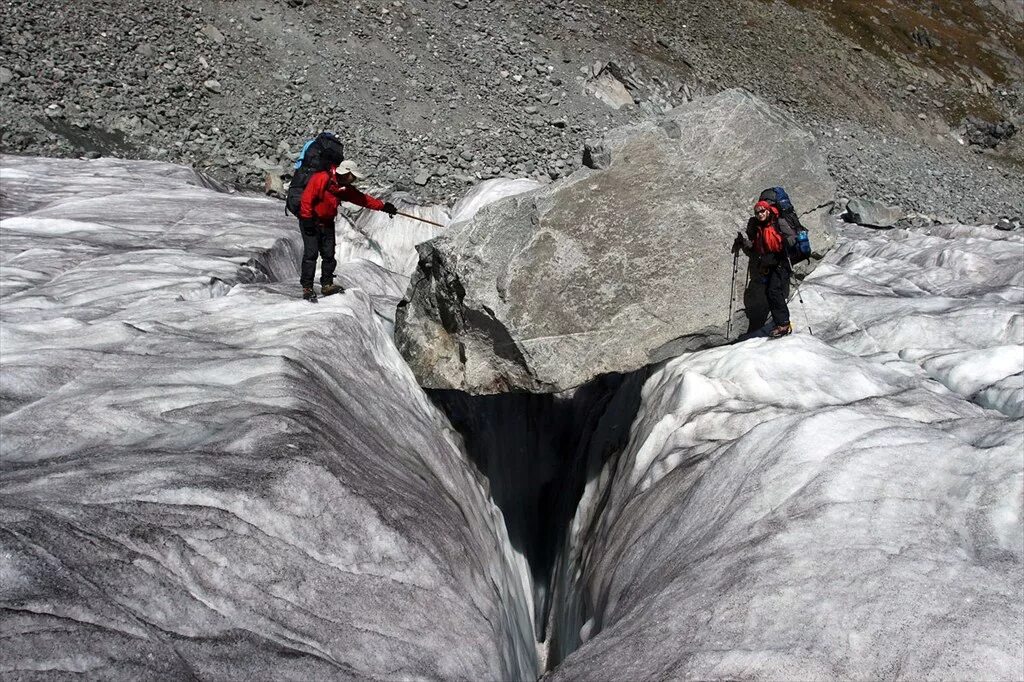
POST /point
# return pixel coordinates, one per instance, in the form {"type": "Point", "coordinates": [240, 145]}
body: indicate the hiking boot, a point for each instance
{"type": "Point", "coordinates": [781, 330]}
{"type": "Point", "coordinates": [328, 289]}
{"type": "Point", "coordinates": [308, 293]}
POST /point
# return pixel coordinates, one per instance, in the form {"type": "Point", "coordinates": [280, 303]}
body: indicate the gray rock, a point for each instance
{"type": "Point", "coordinates": [6, 75]}
{"type": "Point", "coordinates": [872, 213]}
{"type": "Point", "coordinates": [212, 85]}
{"type": "Point", "coordinates": [211, 32]}
{"type": "Point", "coordinates": [422, 178]}
{"type": "Point", "coordinates": [273, 185]}
{"type": "Point", "coordinates": [607, 270]}
{"type": "Point", "coordinates": [915, 221]}
{"type": "Point", "coordinates": [610, 90]}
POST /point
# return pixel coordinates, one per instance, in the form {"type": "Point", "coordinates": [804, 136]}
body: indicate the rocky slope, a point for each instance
{"type": "Point", "coordinates": [437, 96]}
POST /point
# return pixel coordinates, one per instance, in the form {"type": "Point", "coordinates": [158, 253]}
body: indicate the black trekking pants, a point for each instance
{"type": "Point", "coordinates": [777, 292]}
{"type": "Point", "coordinates": [317, 239]}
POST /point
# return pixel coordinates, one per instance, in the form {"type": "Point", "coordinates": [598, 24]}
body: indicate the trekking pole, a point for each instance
{"type": "Point", "coordinates": [422, 220]}
{"type": "Point", "coordinates": [799, 296]}
{"type": "Point", "coordinates": [804, 308]}
{"type": "Point", "coordinates": [732, 295]}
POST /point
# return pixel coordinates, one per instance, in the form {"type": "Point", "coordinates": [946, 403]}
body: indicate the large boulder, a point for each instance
{"type": "Point", "coordinates": [619, 265]}
{"type": "Point", "coordinates": [873, 213]}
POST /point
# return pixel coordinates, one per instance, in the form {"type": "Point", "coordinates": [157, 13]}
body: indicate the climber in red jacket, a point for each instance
{"type": "Point", "coordinates": [317, 211]}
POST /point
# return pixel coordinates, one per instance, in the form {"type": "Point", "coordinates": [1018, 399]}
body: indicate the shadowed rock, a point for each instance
{"type": "Point", "coordinates": [611, 268]}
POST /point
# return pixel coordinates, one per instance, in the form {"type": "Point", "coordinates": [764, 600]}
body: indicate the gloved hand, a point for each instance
{"type": "Point", "coordinates": [390, 209]}
{"type": "Point", "coordinates": [741, 242]}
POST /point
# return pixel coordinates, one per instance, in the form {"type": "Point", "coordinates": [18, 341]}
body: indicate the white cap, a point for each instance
{"type": "Point", "coordinates": [349, 166]}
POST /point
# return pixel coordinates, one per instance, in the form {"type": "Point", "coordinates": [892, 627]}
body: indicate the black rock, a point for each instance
{"type": "Point", "coordinates": [595, 155]}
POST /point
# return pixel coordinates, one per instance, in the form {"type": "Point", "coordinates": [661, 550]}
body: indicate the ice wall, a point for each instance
{"type": "Point", "coordinates": [391, 242]}
{"type": "Point", "coordinates": [832, 506]}
{"type": "Point", "coordinates": [386, 241]}
{"type": "Point", "coordinates": [204, 476]}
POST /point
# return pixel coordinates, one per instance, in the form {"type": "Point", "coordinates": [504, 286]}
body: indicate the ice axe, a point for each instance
{"type": "Point", "coordinates": [416, 217]}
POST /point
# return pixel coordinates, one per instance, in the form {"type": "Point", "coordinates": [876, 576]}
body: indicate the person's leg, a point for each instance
{"type": "Point", "coordinates": [327, 260]}
{"type": "Point", "coordinates": [310, 248]}
{"type": "Point", "coordinates": [777, 292]}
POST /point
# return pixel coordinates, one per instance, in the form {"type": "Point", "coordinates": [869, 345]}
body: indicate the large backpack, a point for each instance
{"type": "Point", "coordinates": [799, 246]}
{"type": "Point", "coordinates": [320, 153]}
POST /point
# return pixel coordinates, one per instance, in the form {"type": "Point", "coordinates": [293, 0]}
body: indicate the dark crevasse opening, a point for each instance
{"type": "Point", "coordinates": [538, 452]}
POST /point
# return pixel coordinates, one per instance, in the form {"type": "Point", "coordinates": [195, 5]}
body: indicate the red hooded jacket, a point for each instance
{"type": "Point", "coordinates": [767, 238]}
{"type": "Point", "coordinates": [322, 195]}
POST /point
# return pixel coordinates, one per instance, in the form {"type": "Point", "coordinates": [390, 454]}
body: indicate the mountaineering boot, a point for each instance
{"type": "Point", "coordinates": [328, 289]}
{"type": "Point", "coordinates": [780, 331]}
{"type": "Point", "coordinates": [308, 294]}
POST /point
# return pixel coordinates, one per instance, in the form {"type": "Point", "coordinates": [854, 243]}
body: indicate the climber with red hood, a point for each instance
{"type": "Point", "coordinates": [317, 210]}
{"type": "Point", "coordinates": [765, 241]}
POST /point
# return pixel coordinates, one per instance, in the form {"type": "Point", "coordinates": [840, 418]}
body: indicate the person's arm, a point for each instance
{"type": "Point", "coordinates": [745, 243]}
{"type": "Point", "coordinates": [354, 196]}
{"type": "Point", "coordinates": [314, 188]}
{"type": "Point", "coordinates": [788, 232]}
{"type": "Point", "coordinates": [786, 228]}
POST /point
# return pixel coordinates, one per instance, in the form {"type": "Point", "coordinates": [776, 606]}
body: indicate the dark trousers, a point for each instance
{"type": "Point", "coordinates": [317, 239]}
{"type": "Point", "coordinates": [777, 291]}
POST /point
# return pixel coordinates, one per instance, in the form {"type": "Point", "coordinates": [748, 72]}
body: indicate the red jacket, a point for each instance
{"type": "Point", "coordinates": [323, 193]}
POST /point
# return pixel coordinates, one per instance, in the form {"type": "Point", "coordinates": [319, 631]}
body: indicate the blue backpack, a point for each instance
{"type": "Point", "coordinates": [320, 153]}
{"type": "Point", "coordinates": [799, 247]}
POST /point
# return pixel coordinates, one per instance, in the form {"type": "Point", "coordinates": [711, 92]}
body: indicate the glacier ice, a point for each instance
{"type": "Point", "coordinates": [488, 192]}
{"type": "Point", "coordinates": [828, 505]}
{"type": "Point", "coordinates": [391, 242]}
{"type": "Point", "coordinates": [203, 475]}
{"type": "Point", "coordinates": [386, 241]}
